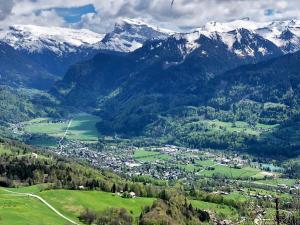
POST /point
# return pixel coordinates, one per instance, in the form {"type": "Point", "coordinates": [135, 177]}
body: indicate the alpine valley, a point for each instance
{"type": "Point", "coordinates": [157, 126]}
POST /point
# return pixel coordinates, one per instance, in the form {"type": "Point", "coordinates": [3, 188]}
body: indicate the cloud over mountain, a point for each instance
{"type": "Point", "coordinates": [184, 13]}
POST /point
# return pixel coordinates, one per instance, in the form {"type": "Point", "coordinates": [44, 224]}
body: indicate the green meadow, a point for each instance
{"type": "Point", "coordinates": [219, 210]}
{"type": "Point", "coordinates": [22, 210]}
{"type": "Point", "coordinates": [245, 172]}
{"type": "Point", "coordinates": [82, 128]}
{"type": "Point", "coordinates": [150, 156]}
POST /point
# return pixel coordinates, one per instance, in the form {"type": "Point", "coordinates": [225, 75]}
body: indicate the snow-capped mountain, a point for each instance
{"type": "Point", "coordinates": [55, 49]}
{"type": "Point", "coordinates": [246, 43]}
{"type": "Point", "coordinates": [130, 34]}
{"type": "Point", "coordinates": [284, 34]}
{"type": "Point", "coordinates": [36, 39]}
{"type": "Point", "coordinates": [52, 48]}
{"type": "Point", "coordinates": [243, 43]}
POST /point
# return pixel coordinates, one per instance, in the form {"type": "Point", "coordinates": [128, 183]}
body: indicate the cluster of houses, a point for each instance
{"type": "Point", "coordinates": [122, 161]}
{"type": "Point", "coordinates": [232, 161]}
{"type": "Point", "coordinates": [126, 194]}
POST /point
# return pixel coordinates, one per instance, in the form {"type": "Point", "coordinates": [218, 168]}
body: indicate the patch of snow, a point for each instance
{"type": "Point", "coordinates": [191, 42]}
{"type": "Point", "coordinates": [262, 50]}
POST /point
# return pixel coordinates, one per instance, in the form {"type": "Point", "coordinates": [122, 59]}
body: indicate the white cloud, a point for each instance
{"type": "Point", "coordinates": [5, 8]}
{"type": "Point", "coordinates": [184, 14]}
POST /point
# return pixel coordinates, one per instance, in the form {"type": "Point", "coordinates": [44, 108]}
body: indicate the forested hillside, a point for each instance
{"type": "Point", "coordinates": [18, 105]}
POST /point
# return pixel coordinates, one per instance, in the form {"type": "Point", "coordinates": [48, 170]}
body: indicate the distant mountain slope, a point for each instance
{"type": "Point", "coordinates": [19, 71]}
{"type": "Point", "coordinates": [265, 93]}
{"type": "Point", "coordinates": [276, 81]}
{"type": "Point", "coordinates": [19, 105]}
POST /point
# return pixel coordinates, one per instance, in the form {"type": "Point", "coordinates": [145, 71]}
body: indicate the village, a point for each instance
{"type": "Point", "coordinates": [173, 163]}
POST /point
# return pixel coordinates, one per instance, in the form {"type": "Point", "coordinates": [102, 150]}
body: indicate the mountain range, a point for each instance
{"type": "Point", "coordinates": [140, 78]}
{"type": "Point", "coordinates": [52, 50]}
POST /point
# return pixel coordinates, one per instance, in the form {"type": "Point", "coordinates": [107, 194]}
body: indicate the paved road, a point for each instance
{"type": "Point", "coordinates": [64, 136]}
{"type": "Point", "coordinates": [43, 201]}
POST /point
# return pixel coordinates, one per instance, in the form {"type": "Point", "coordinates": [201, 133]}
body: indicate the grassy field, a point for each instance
{"type": "Point", "coordinates": [82, 128]}
{"type": "Point", "coordinates": [238, 126]}
{"type": "Point", "coordinates": [150, 156]}
{"type": "Point", "coordinates": [231, 172]}
{"type": "Point", "coordinates": [20, 210]}
{"type": "Point", "coordinates": [219, 210]}
{"type": "Point", "coordinates": [71, 203]}
{"type": "Point", "coordinates": [277, 181]}
{"type": "Point", "coordinates": [199, 165]}
{"type": "Point", "coordinates": [43, 141]}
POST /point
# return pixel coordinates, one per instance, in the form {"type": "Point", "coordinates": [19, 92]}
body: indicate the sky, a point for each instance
{"type": "Point", "coordinates": [100, 15]}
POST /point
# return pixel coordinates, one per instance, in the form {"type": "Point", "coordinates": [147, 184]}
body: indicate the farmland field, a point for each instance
{"type": "Point", "coordinates": [245, 172]}
{"type": "Point", "coordinates": [82, 127]}
{"type": "Point", "coordinates": [144, 155]}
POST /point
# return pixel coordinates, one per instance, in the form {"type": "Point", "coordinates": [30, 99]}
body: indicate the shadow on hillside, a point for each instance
{"type": "Point", "coordinates": [283, 142]}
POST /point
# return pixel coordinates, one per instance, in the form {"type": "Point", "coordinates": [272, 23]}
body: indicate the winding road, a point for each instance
{"type": "Point", "coordinates": [43, 201]}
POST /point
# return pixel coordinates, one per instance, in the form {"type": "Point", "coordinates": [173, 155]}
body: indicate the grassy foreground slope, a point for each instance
{"type": "Point", "coordinates": [23, 210]}
{"type": "Point", "coordinates": [72, 203]}
{"type": "Point", "coordinates": [20, 210]}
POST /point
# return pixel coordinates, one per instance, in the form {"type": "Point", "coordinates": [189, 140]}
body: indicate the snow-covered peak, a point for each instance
{"type": "Point", "coordinates": [285, 34]}
{"type": "Point", "coordinates": [275, 31]}
{"type": "Point", "coordinates": [130, 34]}
{"type": "Point", "coordinates": [261, 27]}
{"type": "Point", "coordinates": [191, 41]}
{"type": "Point", "coordinates": [232, 25]}
{"type": "Point", "coordinates": [245, 43]}
{"type": "Point", "coordinates": [56, 39]}
{"type": "Point", "coordinates": [139, 23]}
